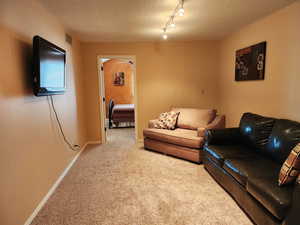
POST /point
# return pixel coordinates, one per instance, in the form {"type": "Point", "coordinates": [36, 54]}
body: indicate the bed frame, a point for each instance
{"type": "Point", "coordinates": [116, 117]}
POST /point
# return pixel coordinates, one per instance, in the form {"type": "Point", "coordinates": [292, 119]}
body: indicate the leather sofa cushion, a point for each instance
{"type": "Point", "coordinates": [182, 137]}
{"type": "Point", "coordinates": [274, 198]}
{"type": "Point", "coordinates": [284, 137]}
{"type": "Point", "coordinates": [191, 118]}
{"type": "Point", "coordinates": [218, 153]}
{"type": "Point", "coordinates": [243, 169]}
{"type": "Point", "coordinates": [255, 130]}
{"type": "Point", "coordinates": [226, 136]}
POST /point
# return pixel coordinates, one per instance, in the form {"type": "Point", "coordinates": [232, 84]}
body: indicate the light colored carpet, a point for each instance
{"type": "Point", "coordinates": [120, 183]}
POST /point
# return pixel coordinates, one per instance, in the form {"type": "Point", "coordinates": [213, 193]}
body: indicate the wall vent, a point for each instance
{"type": "Point", "coordinates": [69, 39]}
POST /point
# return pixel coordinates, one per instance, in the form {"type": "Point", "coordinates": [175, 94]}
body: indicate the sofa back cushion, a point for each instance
{"type": "Point", "coordinates": [255, 130]}
{"type": "Point", "coordinates": [191, 118]}
{"type": "Point", "coordinates": [284, 137]}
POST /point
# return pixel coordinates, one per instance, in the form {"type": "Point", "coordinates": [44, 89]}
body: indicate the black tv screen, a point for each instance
{"type": "Point", "coordinates": [49, 63]}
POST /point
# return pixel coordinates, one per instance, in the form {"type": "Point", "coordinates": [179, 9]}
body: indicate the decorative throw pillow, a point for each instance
{"type": "Point", "coordinates": [167, 120]}
{"type": "Point", "coordinates": [290, 169]}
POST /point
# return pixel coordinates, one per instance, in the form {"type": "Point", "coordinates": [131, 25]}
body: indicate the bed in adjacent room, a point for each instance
{"type": "Point", "coordinates": [120, 113]}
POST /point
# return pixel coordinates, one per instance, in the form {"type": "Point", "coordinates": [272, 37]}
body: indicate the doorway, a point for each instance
{"type": "Point", "coordinates": [117, 94]}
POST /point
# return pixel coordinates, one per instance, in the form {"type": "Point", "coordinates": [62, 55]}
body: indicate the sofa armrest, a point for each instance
{"type": "Point", "coordinates": [293, 215]}
{"type": "Point", "coordinates": [222, 136]}
{"type": "Point", "coordinates": [217, 123]}
{"type": "Point", "coordinates": [151, 123]}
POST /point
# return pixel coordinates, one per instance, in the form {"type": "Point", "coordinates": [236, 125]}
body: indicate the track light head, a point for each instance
{"type": "Point", "coordinates": [181, 11]}
{"type": "Point", "coordinates": [164, 35]}
{"type": "Point", "coordinates": [172, 24]}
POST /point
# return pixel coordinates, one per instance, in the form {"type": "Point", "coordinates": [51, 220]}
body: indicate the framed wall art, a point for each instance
{"type": "Point", "coordinates": [250, 62]}
{"type": "Point", "coordinates": [119, 79]}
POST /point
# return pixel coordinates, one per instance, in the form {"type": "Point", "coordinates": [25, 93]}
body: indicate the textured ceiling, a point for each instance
{"type": "Point", "coordinates": [143, 20]}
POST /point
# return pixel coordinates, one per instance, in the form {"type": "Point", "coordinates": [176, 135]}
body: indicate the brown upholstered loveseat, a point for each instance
{"type": "Point", "coordinates": [187, 139]}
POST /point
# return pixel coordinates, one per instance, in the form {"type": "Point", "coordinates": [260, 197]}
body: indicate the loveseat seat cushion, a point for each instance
{"type": "Point", "coordinates": [284, 137]}
{"type": "Point", "coordinates": [255, 130]}
{"type": "Point", "coordinates": [182, 137]}
{"type": "Point", "coordinates": [218, 153]}
{"type": "Point", "coordinates": [253, 166]}
{"type": "Point", "coordinates": [274, 198]}
{"type": "Point", "coordinates": [192, 118]}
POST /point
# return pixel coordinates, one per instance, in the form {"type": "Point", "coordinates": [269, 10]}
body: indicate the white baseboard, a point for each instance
{"type": "Point", "coordinates": [140, 141]}
{"type": "Point", "coordinates": [94, 142]}
{"type": "Point", "coordinates": [57, 182]}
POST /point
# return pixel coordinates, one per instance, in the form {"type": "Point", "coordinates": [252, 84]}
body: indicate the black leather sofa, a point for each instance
{"type": "Point", "coordinates": [246, 162]}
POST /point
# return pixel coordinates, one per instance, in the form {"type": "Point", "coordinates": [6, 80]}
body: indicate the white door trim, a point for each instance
{"type": "Point", "coordinates": [101, 91]}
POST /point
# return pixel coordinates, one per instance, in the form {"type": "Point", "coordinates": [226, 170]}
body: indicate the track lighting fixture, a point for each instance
{"type": "Point", "coordinates": [172, 24]}
{"type": "Point", "coordinates": [165, 36]}
{"type": "Point", "coordinates": [179, 10]}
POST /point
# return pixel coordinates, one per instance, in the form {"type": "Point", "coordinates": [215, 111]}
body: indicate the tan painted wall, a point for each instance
{"type": "Point", "coordinates": [278, 95]}
{"type": "Point", "coordinates": [33, 154]}
{"type": "Point", "coordinates": [167, 74]}
{"type": "Point", "coordinates": [120, 94]}
{"type": "Point", "coordinates": [173, 73]}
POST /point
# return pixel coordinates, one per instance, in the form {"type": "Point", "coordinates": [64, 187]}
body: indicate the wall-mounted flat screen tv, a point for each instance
{"type": "Point", "coordinates": [49, 63]}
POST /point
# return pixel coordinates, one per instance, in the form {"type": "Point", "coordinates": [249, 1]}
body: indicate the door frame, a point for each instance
{"type": "Point", "coordinates": [101, 91]}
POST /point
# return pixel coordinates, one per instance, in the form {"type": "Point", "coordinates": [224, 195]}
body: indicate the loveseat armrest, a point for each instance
{"type": "Point", "coordinates": [151, 123]}
{"type": "Point", "coordinates": [293, 215]}
{"type": "Point", "coordinates": [217, 123]}
{"type": "Point", "coordinates": [222, 136]}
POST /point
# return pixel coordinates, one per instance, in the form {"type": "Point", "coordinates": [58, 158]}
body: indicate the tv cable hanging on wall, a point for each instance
{"type": "Point", "coordinates": [71, 146]}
